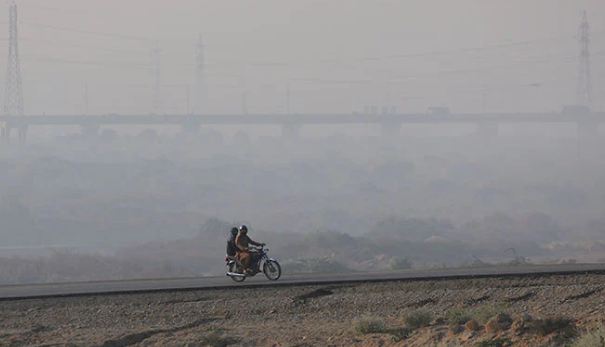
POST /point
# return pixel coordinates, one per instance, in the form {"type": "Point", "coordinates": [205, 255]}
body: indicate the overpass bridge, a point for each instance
{"type": "Point", "coordinates": [291, 124]}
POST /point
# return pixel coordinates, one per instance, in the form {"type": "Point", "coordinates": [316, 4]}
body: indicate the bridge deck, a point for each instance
{"type": "Point", "coordinates": [301, 119]}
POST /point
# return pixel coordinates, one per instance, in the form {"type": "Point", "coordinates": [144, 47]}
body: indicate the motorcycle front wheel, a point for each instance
{"type": "Point", "coordinates": [272, 270]}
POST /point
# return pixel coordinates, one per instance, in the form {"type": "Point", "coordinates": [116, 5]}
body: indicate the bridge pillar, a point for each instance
{"type": "Point", "coordinates": [5, 133]}
{"type": "Point", "coordinates": [22, 134]}
{"type": "Point", "coordinates": [487, 129]}
{"type": "Point", "coordinates": [191, 127]}
{"type": "Point", "coordinates": [390, 129]}
{"type": "Point", "coordinates": [291, 131]}
{"type": "Point", "coordinates": [90, 130]}
{"type": "Point", "coordinates": [588, 129]}
{"type": "Point", "coordinates": [588, 138]}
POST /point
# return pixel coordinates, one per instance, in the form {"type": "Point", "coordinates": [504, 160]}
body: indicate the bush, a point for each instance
{"type": "Point", "coordinates": [418, 319]}
{"type": "Point", "coordinates": [483, 313]}
{"type": "Point", "coordinates": [499, 322]}
{"type": "Point", "coordinates": [595, 338]}
{"type": "Point", "coordinates": [215, 339]}
{"type": "Point", "coordinates": [369, 325]}
{"type": "Point", "coordinates": [457, 316]}
{"type": "Point", "coordinates": [501, 342]}
{"type": "Point", "coordinates": [563, 326]}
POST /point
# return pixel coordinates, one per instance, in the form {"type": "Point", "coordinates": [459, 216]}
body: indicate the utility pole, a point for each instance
{"type": "Point", "coordinates": [244, 86]}
{"type": "Point", "coordinates": [188, 98]}
{"type": "Point", "coordinates": [484, 98]}
{"type": "Point", "coordinates": [86, 99]}
{"type": "Point", "coordinates": [13, 92]}
{"type": "Point", "coordinates": [288, 98]}
{"type": "Point", "coordinates": [244, 101]}
{"type": "Point", "coordinates": [584, 96]}
{"type": "Point", "coordinates": [156, 62]}
{"type": "Point", "coordinates": [13, 99]}
{"type": "Point", "coordinates": [200, 81]}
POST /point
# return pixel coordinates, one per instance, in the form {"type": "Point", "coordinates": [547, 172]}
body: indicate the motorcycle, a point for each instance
{"type": "Point", "coordinates": [269, 266]}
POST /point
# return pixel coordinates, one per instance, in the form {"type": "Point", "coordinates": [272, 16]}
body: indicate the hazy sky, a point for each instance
{"type": "Point", "coordinates": [335, 55]}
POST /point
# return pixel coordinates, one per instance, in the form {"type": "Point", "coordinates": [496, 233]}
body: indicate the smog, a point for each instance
{"type": "Point", "coordinates": [347, 135]}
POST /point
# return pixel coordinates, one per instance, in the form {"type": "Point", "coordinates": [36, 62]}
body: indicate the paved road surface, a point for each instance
{"type": "Point", "coordinates": [13, 292]}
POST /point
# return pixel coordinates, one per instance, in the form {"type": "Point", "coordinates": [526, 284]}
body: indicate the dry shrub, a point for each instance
{"type": "Point", "coordinates": [564, 327]}
{"type": "Point", "coordinates": [457, 316]}
{"type": "Point", "coordinates": [418, 319]}
{"type": "Point", "coordinates": [482, 314]}
{"type": "Point", "coordinates": [369, 325]}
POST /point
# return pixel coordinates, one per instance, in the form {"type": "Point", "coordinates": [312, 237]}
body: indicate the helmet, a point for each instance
{"type": "Point", "coordinates": [234, 231]}
{"type": "Point", "coordinates": [243, 229]}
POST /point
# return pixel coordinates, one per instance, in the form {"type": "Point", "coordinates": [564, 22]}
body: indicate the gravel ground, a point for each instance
{"type": "Point", "coordinates": [303, 315]}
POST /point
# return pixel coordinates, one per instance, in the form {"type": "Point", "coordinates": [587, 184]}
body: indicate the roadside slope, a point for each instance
{"type": "Point", "coordinates": [309, 315]}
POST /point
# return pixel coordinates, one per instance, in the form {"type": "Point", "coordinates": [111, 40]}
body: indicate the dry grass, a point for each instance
{"type": "Point", "coordinates": [595, 338]}
{"type": "Point", "coordinates": [218, 338]}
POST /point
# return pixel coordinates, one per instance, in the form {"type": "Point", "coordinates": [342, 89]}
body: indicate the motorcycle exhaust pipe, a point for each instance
{"type": "Point", "coordinates": [235, 274]}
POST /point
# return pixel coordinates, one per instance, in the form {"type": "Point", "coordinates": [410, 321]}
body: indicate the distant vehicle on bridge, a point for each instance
{"type": "Point", "coordinates": [438, 110]}
{"type": "Point", "coordinates": [576, 109]}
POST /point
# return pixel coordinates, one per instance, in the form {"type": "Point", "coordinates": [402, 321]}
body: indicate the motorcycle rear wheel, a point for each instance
{"type": "Point", "coordinates": [234, 268]}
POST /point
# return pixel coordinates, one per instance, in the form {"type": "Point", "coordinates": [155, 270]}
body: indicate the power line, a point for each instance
{"type": "Point", "coordinates": [77, 45]}
{"type": "Point", "coordinates": [55, 9]}
{"type": "Point", "coordinates": [125, 65]}
{"type": "Point", "coordinates": [88, 32]}
{"type": "Point", "coordinates": [494, 46]}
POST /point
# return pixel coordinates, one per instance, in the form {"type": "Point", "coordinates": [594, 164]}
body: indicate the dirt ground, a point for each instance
{"type": "Point", "coordinates": [320, 315]}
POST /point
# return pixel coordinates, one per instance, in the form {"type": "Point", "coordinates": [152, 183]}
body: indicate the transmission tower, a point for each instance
{"type": "Point", "coordinates": [200, 80]}
{"type": "Point", "coordinates": [13, 98]}
{"type": "Point", "coordinates": [584, 96]}
{"type": "Point", "coordinates": [156, 66]}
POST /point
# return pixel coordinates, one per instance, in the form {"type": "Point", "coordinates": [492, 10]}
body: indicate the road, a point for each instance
{"type": "Point", "coordinates": [31, 291]}
{"type": "Point", "coordinates": [302, 119]}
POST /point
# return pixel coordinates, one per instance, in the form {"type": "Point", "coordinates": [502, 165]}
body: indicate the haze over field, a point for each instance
{"type": "Point", "coordinates": [138, 201]}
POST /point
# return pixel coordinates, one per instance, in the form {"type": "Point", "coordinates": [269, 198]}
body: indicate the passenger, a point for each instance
{"type": "Point", "coordinates": [231, 247]}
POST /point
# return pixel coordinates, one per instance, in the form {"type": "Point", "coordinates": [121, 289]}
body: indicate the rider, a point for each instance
{"type": "Point", "coordinates": [243, 242]}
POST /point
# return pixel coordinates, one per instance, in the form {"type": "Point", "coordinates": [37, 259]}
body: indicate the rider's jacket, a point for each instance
{"type": "Point", "coordinates": [242, 242]}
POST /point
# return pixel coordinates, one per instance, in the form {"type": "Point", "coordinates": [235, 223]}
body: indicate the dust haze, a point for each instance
{"type": "Point", "coordinates": [131, 201]}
